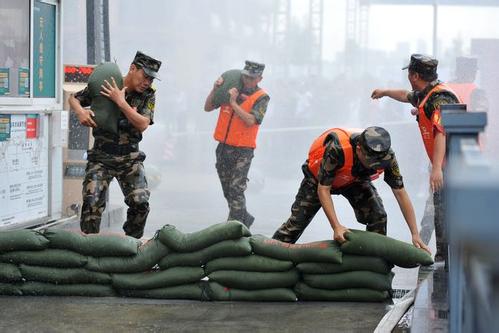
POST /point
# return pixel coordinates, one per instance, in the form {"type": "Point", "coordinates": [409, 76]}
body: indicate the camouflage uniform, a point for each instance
{"type": "Point", "coordinates": [429, 65]}
{"type": "Point", "coordinates": [117, 156]}
{"type": "Point", "coordinates": [233, 163]}
{"type": "Point", "coordinates": [361, 195]}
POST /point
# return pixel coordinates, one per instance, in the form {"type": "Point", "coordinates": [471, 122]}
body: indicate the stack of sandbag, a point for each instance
{"type": "Point", "coordinates": [181, 271]}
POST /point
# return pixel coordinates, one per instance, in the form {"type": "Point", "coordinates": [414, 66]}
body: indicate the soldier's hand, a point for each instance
{"type": "Point", "coordinates": [86, 119]}
{"type": "Point", "coordinates": [436, 179]}
{"type": "Point", "coordinates": [218, 82]}
{"type": "Point", "coordinates": [339, 234]}
{"type": "Point", "coordinates": [418, 242]}
{"type": "Point", "coordinates": [111, 91]}
{"type": "Point", "coordinates": [233, 92]}
{"type": "Point", "coordinates": [377, 93]}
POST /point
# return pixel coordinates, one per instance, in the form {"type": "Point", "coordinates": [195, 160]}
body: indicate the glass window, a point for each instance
{"type": "Point", "coordinates": [14, 48]}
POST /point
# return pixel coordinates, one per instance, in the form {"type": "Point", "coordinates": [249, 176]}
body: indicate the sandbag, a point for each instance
{"type": "Point", "coordinates": [232, 79]}
{"type": "Point", "coordinates": [10, 289]}
{"type": "Point", "coordinates": [306, 293]}
{"type": "Point", "coordinates": [192, 291]}
{"type": "Point", "coordinates": [350, 262]}
{"type": "Point", "coordinates": [251, 263]}
{"type": "Point", "coordinates": [9, 273]}
{"type": "Point", "coordinates": [63, 275]}
{"type": "Point", "coordinates": [148, 255]}
{"type": "Point", "coordinates": [347, 280]}
{"type": "Point", "coordinates": [21, 240]}
{"type": "Point", "coordinates": [158, 279]}
{"type": "Point", "coordinates": [180, 242]}
{"type": "Point", "coordinates": [394, 251]}
{"type": "Point", "coordinates": [48, 257]}
{"type": "Point", "coordinates": [217, 292]}
{"type": "Point", "coordinates": [323, 251]}
{"type": "Point", "coordinates": [228, 248]}
{"type": "Point", "coordinates": [255, 280]}
{"type": "Point", "coordinates": [107, 113]}
{"type": "Point", "coordinates": [92, 245]}
{"type": "Point", "coordinates": [49, 289]}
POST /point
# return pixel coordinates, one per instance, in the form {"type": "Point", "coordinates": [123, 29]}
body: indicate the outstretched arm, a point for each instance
{"type": "Point", "coordinates": [324, 193]}
{"type": "Point", "coordinates": [397, 94]}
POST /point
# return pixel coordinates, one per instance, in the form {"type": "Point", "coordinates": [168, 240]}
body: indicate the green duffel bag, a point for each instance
{"type": "Point", "coordinates": [192, 291]}
{"type": "Point", "coordinates": [347, 280]}
{"type": "Point", "coordinates": [48, 257]}
{"type": "Point", "coordinates": [252, 263]}
{"type": "Point", "coordinates": [350, 262]}
{"type": "Point", "coordinates": [63, 275]}
{"type": "Point", "coordinates": [306, 293]}
{"type": "Point", "coordinates": [10, 289]}
{"type": "Point", "coordinates": [255, 280]}
{"type": "Point", "coordinates": [22, 240]}
{"type": "Point", "coordinates": [49, 289]}
{"type": "Point", "coordinates": [229, 248]}
{"type": "Point", "coordinates": [394, 251]}
{"type": "Point", "coordinates": [9, 273]}
{"type": "Point", "coordinates": [232, 79]}
{"type": "Point", "coordinates": [323, 251]}
{"type": "Point", "coordinates": [93, 245]}
{"type": "Point", "coordinates": [158, 279]}
{"type": "Point", "coordinates": [107, 113]}
{"type": "Point", "coordinates": [148, 255]}
{"type": "Point", "coordinates": [217, 292]}
{"type": "Point", "coordinates": [180, 242]}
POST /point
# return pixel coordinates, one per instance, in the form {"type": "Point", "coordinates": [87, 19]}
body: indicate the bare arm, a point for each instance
{"type": "Point", "coordinates": [324, 193]}
{"type": "Point", "coordinates": [436, 177]}
{"type": "Point", "coordinates": [397, 94]}
{"type": "Point", "coordinates": [208, 104]}
{"type": "Point", "coordinates": [84, 115]}
{"type": "Point", "coordinates": [248, 118]}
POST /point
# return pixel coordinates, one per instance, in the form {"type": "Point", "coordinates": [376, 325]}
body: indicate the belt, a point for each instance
{"type": "Point", "coordinates": [115, 149]}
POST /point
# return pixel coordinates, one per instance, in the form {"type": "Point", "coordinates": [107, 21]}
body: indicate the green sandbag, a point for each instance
{"type": "Point", "coordinates": [107, 113]}
{"type": "Point", "coordinates": [323, 251]}
{"type": "Point", "coordinates": [180, 242]}
{"type": "Point", "coordinates": [93, 245]}
{"type": "Point", "coordinates": [9, 273]}
{"type": "Point", "coordinates": [48, 257]}
{"type": "Point", "coordinates": [228, 248]}
{"type": "Point", "coordinates": [148, 255]}
{"type": "Point", "coordinates": [346, 280]}
{"type": "Point", "coordinates": [306, 293]}
{"type": "Point", "coordinates": [193, 291]}
{"type": "Point", "coordinates": [217, 292]}
{"type": "Point", "coordinates": [63, 275]}
{"type": "Point", "coordinates": [232, 79]}
{"type": "Point", "coordinates": [10, 289]}
{"type": "Point", "coordinates": [394, 251]}
{"type": "Point", "coordinates": [158, 279]}
{"type": "Point", "coordinates": [49, 289]}
{"type": "Point", "coordinates": [252, 263]}
{"type": "Point", "coordinates": [255, 280]}
{"type": "Point", "coordinates": [20, 240]}
{"type": "Point", "coordinates": [350, 262]}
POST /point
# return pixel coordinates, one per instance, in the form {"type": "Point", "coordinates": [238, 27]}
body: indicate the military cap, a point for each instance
{"type": "Point", "coordinates": [375, 144]}
{"type": "Point", "coordinates": [423, 64]}
{"type": "Point", "coordinates": [148, 64]}
{"type": "Point", "coordinates": [253, 69]}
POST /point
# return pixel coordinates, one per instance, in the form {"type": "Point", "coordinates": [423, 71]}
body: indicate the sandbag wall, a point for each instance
{"type": "Point", "coordinates": [223, 262]}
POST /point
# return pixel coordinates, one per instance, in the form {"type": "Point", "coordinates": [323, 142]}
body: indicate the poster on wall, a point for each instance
{"type": "Point", "coordinates": [4, 127]}
{"type": "Point", "coordinates": [23, 81]}
{"type": "Point", "coordinates": [23, 173]}
{"type": "Point", "coordinates": [4, 81]}
{"type": "Point", "coordinates": [44, 49]}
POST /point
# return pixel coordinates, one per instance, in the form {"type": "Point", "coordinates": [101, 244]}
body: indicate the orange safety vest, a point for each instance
{"type": "Point", "coordinates": [232, 130]}
{"type": "Point", "coordinates": [463, 91]}
{"type": "Point", "coordinates": [343, 176]}
{"type": "Point", "coordinates": [425, 124]}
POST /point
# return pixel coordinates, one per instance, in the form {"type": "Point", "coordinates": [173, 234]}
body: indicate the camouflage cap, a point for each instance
{"type": "Point", "coordinates": [423, 64]}
{"type": "Point", "coordinates": [148, 64]}
{"type": "Point", "coordinates": [375, 144]}
{"type": "Point", "coordinates": [253, 69]}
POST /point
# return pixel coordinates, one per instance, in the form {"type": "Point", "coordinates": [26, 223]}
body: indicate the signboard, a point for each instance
{"type": "Point", "coordinates": [23, 171]}
{"type": "Point", "coordinates": [23, 81]}
{"type": "Point", "coordinates": [44, 49]}
{"type": "Point", "coordinates": [4, 81]}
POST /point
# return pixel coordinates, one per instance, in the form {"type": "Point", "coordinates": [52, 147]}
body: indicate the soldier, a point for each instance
{"type": "Point", "coordinates": [236, 132]}
{"type": "Point", "coordinates": [427, 95]}
{"type": "Point", "coordinates": [345, 161]}
{"type": "Point", "coordinates": [118, 155]}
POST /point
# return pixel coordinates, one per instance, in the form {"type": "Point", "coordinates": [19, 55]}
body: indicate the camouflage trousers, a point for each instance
{"type": "Point", "coordinates": [433, 219]}
{"type": "Point", "coordinates": [131, 177]}
{"type": "Point", "coordinates": [362, 196]}
{"type": "Point", "coordinates": [233, 165]}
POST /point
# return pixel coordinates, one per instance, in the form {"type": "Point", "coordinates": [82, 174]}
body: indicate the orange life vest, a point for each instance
{"type": "Point", "coordinates": [463, 91]}
{"type": "Point", "coordinates": [232, 130]}
{"type": "Point", "coordinates": [343, 176]}
{"type": "Point", "coordinates": [425, 124]}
